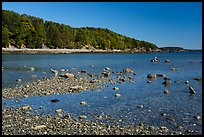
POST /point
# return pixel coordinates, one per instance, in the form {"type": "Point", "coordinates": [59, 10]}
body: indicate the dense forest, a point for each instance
{"type": "Point", "coordinates": [21, 30]}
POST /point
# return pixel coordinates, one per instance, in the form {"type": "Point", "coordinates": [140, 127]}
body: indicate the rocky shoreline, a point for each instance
{"type": "Point", "coordinates": [68, 51]}
{"type": "Point", "coordinates": [21, 120]}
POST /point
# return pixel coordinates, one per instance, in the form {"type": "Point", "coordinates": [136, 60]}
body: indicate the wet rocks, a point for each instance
{"type": "Point", "coordinates": [55, 72]}
{"type": "Point", "coordinates": [167, 61]}
{"type": "Point", "coordinates": [127, 70]}
{"type": "Point", "coordinates": [150, 76]}
{"type": "Point", "coordinates": [39, 127]}
{"type": "Point", "coordinates": [76, 88]}
{"type": "Point", "coordinates": [192, 91]}
{"type": "Point", "coordinates": [106, 74]}
{"type": "Point", "coordinates": [32, 69]}
{"type": "Point", "coordinates": [115, 88]}
{"type": "Point", "coordinates": [83, 103]}
{"type": "Point", "coordinates": [117, 95]}
{"type": "Point", "coordinates": [54, 100]}
{"type": "Point", "coordinates": [18, 80]}
{"type": "Point", "coordinates": [26, 107]}
{"type": "Point", "coordinates": [69, 75]}
{"type": "Point", "coordinates": [166, 91]}
{"type": "Point", "coordinates": [58, 110]}
{"type": "Point", "coordinates": [173, 68]}
{"type": "Point", "coordinates": [82, 116]}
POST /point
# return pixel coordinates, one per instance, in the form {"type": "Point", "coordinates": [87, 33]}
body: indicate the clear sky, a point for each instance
{"type": "Point", "coordinates": [162, 23]}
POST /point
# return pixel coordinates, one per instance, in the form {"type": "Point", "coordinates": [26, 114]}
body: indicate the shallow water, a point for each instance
{"type": "Point", "coordinates": [179, 105]}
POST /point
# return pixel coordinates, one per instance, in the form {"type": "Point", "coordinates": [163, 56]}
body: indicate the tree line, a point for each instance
{"type": "Point", "coordinates": [32, 32]}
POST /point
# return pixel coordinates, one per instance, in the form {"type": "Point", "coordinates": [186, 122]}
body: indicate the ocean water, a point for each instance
{"type": "Point", "coordinates": [179, 105]}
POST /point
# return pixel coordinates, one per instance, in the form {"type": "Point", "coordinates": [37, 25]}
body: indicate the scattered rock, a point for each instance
{"type": "Point", "coordinates": [127, 70]}
{"type": "Point", "coordinates": [173, 68]}
{"type": "Point", "coordinates": [160, 75]}
{"type": "Point", "coordinates": [58, 110]}
{"type": "Point", "coordinates": [117, 95]}
{"type": "Point", "coordinates": [140, 106]}
{"type": "Point", "coordinates": [115, 88]}
{"type": "Point", "coordinates": [25, 96]}
{"type": "Point", "coordinates": [19, 80]}
{"type": "Point", "coordinates": [167, 61]}
{"type": "Point", "coordinates": [83, 103]}
{"type": "Point", "coordinates": [166, 91]}
{"type": "Point", "coordinates": [151, 76]}
{"type": "Point", "coordinates": [55, 72]}
{"type": "Point", "coordinates": [76, 88]}
{"type": "Point", "coordinates": [32, 69]}
{"type": "Point", "coordinates": [197, 117]}
{"type": "Point", "coordinates": [187, 82]}
{"type": "Point", "coordinates": [83, 71]}
{"type": "Point", "coordinates": [106, 74]}
{"type": "Point", "coordinates": [26, 107]}
{"type": "Point", "coordinates": [39, 127]}
{"type": "Point", "coordinates": [192, 91]}
{"type": "Point", "coordinates": [198, 79]}
{"type": "Point", "coordinates": [82, 117]}
{"type": "Point", "coordinates": [54, 100]}
{"type": "Point", "coordinates": [69, 75]}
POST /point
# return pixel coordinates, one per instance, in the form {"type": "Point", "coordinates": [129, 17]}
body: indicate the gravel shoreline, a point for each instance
{"type": "Point", "coordinates": [17, 121]}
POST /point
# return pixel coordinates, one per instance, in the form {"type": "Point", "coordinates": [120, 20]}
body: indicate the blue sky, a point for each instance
{"type": "Point", "coordinates": [162, 23]}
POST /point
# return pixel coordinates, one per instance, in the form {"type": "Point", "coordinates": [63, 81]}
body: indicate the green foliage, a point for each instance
{"type": "Point", "coordinates": [34, 32]}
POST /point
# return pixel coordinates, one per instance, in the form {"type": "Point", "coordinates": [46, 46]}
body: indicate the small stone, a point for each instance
{"type": "Point", "coordinates": [54, 100]}
{"type": "Point", "coordinates": [32, 69]}
{"type": "Point", "coordinates": [58, 110]}
{"type": "Point", "coordinates": [25, 96]}
{"type": "Point", "coordinates": [172, 68]}
{"type": "Point", "coordinates": [192, 91]}
{"type": "Point", "coordinates": [39, 127]}
{"type": "Point", "coordinates": [82, 116]}
{"type": "Point", "coordinates": [117, 95]}
{"type": "Point", "coordinates": [167, 60]}
{"type": "Point", "coordinates": [187, 82]}
{"type": "Point", "coordinates": [197, 117]}
{"type": "Point", "coordinates": [115, 88]}
{"type": "Point", "coordinates": [166, 91]}
{"type": "Point", "coordinates": [26, 107]}
{"type": "Point", "coordinates": [140, 106]}
{"type": "Point", "coordinates": [83, 103]}
{"type": "Point", "coordinates": [19, 80]}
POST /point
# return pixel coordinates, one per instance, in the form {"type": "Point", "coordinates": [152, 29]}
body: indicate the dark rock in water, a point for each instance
{"type": "Point", "coordinates": [106, 74]}
{"type": "Point", "coordinates": [166, 78]}
{"type": "Point", "coordinates": [192, 91]}
{"type": "Point", "coordinates": [160, 75]}
{"type": "Point", "coordinates": [166, 83]}
{"type": "Point", "coordinates": [149, 81]}
{"type": "Point", "coordinates": [83, 71]}
{"type": "Point", "coordinates": [187, 82]}
{"type": "Point", "coordinates": [151, 76]}
{"type": "Point", "coordinates": [54, 100]}
{"type": "Point", "coordinates": [167, 60]}
{"type": "Point", "coordinates": [155, 60]}
{"type": "Point", "coordinates": [196, 79]}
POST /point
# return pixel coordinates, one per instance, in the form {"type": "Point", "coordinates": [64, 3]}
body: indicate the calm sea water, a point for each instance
{"type": "Point", "coordinates": [179, 105]}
